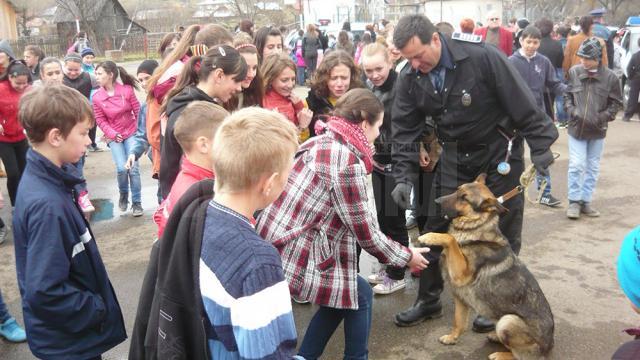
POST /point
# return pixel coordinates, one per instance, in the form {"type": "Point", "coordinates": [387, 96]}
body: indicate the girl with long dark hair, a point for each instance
{"type": "Point", "coordinates": [194, 41]}
{"type": "Point", "coordinates": [13, 141]}
{"type": "Point", "coordinates": [213, 77]}
{"type": "Point", "coordinates": [116, 110]}
{"type": "Point", "coordinates": [252, 87]}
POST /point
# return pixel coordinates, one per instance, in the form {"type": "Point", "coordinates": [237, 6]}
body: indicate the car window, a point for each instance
{"type": "Point", "coordinates": [625, 41]}
{"type": "Point", "coordinates": [634, 41]}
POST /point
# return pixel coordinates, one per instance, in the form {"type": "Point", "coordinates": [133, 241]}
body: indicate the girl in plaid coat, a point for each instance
{"type": "Point", "coordinates": [322, 215]}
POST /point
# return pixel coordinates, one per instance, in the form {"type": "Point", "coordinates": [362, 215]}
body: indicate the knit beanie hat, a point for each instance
{"type": "Point", "coordinates": [590, 49]}
{"type": "Point", "coordinates": [87, 51]}
{"type": "Point", "coordinates": [147, 67]}
{"type": "Point", "coordinates": [629, 266]}
{"type": "Point", "coordinates": [74, 57]}
{"type": "Point", "coordinates": [6, 48]}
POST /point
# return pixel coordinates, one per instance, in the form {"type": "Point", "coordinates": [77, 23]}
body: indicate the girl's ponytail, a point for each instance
{"type": "Point", "coordinates": [182, 48]}
{"type": "Point", "coordinates": [188, 76]}
{"type": "Point", "coordinates": [128, 79]}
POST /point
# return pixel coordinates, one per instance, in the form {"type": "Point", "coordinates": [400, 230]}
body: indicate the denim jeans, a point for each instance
{"type": "Point", "coordinates": [357, 325]}
{"type": "Point", "coordinates": [547, 189]}
{"type": "Point", "coordinates": [119, 152]}
{"type": "Point", "coordinates": [78, 171]}
{"type": "Point", "coordinates": [4, 313]}
{"type": "Point", "coordinates": [584, 167]}
{"type": "Point", "coordinates": [561, 114]}
{"type": "Point", "coordinates": [300, 74]}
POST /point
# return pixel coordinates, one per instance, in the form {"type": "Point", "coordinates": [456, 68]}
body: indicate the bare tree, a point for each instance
{"type": "Point", "coordinates": [612, 5]}
{"type": "Point", "coordinates": [87, 13]}
{"type": "Point", "coordinates": [28, 10]}
{"type": "Point", "coordinates": [552, 9]}
{"type": "Point", "coordinates": [245, 9]}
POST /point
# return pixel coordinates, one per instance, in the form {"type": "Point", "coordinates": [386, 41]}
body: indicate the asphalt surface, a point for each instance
{"type": "Point", "coordinates": [574, 262]}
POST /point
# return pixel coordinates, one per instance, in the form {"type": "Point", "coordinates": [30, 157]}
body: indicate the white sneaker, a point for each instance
{"type": "Point", "coordinates": [389, 286]}
{"type": "Point", "coordinates": [298, 301]}
{"type": "Point", "coordinates": [378, 277]}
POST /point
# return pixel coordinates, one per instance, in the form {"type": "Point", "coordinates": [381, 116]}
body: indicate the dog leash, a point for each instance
{"type": "Point", "coordinates": [526, 179]}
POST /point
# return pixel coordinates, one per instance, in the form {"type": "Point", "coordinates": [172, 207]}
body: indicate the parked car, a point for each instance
{"type": "Point", "coordinates": [629, 46]}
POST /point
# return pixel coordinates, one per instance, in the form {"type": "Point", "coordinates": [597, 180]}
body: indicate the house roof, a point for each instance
{"type": "Point", "coordinates": [12, 4]}
{"type": "Point", "coordinates": [64, 15]}
{"type": "Point", "coordinates": [49, 12]}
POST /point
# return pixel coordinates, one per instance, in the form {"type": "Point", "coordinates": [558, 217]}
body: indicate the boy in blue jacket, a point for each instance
{"type": "Point", "coordinates": [70, 308]}
{"type": "Point", "coordinates": [539, 74]}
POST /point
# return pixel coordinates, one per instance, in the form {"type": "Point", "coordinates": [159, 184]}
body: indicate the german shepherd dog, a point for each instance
{"type": "Point", "coordinates": [485, 275]}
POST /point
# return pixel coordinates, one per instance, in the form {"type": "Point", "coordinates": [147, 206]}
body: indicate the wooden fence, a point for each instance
{"type": "Point", "coordinates": [57, 46]}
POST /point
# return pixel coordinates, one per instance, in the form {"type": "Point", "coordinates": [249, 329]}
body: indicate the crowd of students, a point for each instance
{"type": "Point", "coordinates": [229, 139]}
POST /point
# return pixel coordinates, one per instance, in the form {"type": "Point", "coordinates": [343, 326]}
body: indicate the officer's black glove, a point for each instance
{"type": "Point", "coordinates": [401, 194]}
{"type": "Point", "coordinates": [542, 161]}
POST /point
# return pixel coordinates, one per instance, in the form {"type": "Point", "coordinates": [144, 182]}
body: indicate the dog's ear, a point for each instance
{"type": "Point", "coordinates": [492, 204]}
{"type": "Point", "coordinates": [481, 178]}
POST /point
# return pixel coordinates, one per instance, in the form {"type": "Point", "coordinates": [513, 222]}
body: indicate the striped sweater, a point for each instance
{"type": "Point", "coordinates": [245, 295]}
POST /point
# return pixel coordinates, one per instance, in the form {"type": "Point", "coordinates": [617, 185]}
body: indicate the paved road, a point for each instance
{"type": "Point", "coordinates": [574, 261]}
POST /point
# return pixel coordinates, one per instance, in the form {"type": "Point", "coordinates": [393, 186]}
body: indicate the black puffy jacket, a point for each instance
{"type": "Point", "coordinates": [170, 323]}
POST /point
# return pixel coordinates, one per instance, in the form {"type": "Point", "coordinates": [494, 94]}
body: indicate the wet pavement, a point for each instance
{"type": "Point", "coordinates": [574, 262]}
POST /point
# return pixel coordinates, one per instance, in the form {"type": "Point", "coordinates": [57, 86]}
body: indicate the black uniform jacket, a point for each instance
{"type": "Point", "coordinates": [482, 93]}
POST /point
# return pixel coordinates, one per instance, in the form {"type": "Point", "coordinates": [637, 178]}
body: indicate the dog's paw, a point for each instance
{"type": "Point", "coordinates": [501, 356]}
{"type": "Point", "coordinates": [448, 339]}
{"type": "Point", "coordinates": [429, 239]}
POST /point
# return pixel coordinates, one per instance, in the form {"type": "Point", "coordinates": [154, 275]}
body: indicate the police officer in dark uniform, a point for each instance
{"type": "Point", "coordinates": [482, 111]}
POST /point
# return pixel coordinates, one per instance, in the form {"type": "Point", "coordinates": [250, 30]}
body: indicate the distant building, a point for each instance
{"type": "Point", "coordinates": [334, 13]}
{"type": "Point", "coordinates": [452, 11]}
{"type": "Point", "coordinates": [395, 9]}
{"type": "Point", "coordinates": [108, 18]}
{"type": "Point", "coordinates": [8, 20]}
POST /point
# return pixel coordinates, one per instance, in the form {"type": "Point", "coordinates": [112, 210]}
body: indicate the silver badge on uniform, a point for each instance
{"type": "Point", "coordinates": [466, 98]}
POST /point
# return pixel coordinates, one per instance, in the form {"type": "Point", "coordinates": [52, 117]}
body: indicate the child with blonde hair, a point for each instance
{"type": "Point", "coordinates": [220, 287]}
{"type": "Point", "coordinates": [194, 132]}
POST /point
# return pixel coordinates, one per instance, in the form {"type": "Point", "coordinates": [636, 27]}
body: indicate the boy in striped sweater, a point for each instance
{"type": "Point", "coordinates": [245, 296]}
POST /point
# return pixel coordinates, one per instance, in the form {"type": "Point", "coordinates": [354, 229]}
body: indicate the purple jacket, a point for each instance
{"type": "Point", "coordinates": [116, 114]}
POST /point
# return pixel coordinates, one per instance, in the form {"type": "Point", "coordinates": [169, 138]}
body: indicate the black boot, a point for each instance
{"type": "Point", "coordinates": [483, 325]}
{"type": "Point", "coordinates": [428, 305]}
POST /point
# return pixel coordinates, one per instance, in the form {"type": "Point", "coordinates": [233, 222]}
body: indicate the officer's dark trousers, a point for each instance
{"type": "Point", "coordinates": [390, 216]}
{"type": "Point", "coordinates": [462, 164]}
{"type": "Point", "coordinates": [632, 103]}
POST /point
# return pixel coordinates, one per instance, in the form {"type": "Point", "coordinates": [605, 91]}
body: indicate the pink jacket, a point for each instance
{"type": "Point", "coordinates": [116, 114]}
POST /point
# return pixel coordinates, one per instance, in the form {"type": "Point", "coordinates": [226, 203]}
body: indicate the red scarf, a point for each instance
{"type": "Point", "coordinates": [351, 133]}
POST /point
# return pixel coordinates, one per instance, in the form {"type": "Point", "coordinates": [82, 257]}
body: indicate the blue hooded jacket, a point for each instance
{"type": "Point", "coordinates": [69, 306]}
{"type": "Point", "coordinates": [539, 74]}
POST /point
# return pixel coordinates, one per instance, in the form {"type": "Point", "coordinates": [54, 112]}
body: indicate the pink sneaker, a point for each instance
{"type": "Point", "coordinates": [85, 204]}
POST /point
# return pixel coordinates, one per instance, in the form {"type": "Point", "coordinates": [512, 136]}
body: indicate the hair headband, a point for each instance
{"type": "Point", "coordinates": [242, 46]}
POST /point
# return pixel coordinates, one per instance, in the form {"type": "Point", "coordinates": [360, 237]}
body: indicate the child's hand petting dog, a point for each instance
{"type": "Point", "coordinates": [418, 262]}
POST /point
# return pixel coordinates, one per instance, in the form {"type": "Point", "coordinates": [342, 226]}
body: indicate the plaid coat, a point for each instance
{"type": "Point", "coordinates": [317, 221]}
